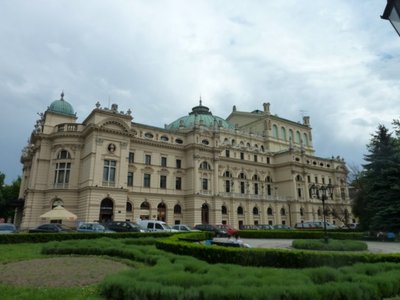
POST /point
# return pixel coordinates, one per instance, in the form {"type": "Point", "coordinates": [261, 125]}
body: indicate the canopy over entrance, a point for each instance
{"type": "Point", "coordinates": [59, 213]}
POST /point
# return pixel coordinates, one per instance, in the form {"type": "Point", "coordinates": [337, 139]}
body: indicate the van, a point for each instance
{"type": "Point", "coordinates": [155, 226]}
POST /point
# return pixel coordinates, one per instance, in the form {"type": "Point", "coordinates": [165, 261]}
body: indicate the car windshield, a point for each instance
{"type": "Point", "coordinates": [166, 226]}
{"type": "Point", "coordinates": [6, 227]}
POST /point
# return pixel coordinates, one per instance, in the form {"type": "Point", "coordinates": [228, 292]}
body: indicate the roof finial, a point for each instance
{"type": "Point", "coordinates": [200, 100]}
{"type": "Point", "coordinates": [62, 95]}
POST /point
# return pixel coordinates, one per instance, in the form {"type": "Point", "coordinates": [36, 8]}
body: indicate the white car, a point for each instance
{"type": "Point", "coordinates": [155, 226]}
{"type": "Point", "coordinates": [184, 228]}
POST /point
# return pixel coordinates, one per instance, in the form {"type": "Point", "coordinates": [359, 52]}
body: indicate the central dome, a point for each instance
{"type": "Point", "coordinates": [200, 115]}
{"type": "Point", "coordinates": [61, 107]}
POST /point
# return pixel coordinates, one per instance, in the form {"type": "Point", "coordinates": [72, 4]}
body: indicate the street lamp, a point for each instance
{"type": "Point", "coordinates": [325, 191]}
{"type": "Point", "coordinates": [392, 13]}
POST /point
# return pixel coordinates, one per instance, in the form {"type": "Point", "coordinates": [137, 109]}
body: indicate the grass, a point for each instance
{"type": "Point", "coordinates": [331, 245]}
{"type": "Point", "coordinates": [162, 275]}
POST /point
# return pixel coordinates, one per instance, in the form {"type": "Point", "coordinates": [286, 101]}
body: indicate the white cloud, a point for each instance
{"type": "Point", "coordinates": [320, 58]}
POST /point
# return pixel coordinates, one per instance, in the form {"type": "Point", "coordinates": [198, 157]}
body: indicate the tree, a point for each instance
{"type": "Point", "coordinates": [8, 193]}
{"type": "Point", "coordinates": [378, 202]}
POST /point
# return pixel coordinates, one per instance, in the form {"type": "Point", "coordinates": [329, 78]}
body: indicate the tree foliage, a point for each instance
{"type": "Point", "coordinates": [8, 193]}
{"type": "Point", "coordinates": [377, 201]}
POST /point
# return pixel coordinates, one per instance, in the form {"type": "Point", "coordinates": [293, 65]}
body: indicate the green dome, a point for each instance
{"type": "Point", "coordinates": [61, 107]}
{"type": "Point", "coordinates": [200, 115]}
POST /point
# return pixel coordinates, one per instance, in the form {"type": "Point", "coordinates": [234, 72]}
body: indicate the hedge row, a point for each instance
{"type": "Point", "coordinates": [48, 237]}
{"type": "Point", "coordinates": [300, 234]}
{"type": "Point", "coordinates": [279, 258]}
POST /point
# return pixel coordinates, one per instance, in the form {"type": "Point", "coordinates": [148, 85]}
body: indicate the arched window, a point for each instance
{"type": "Point", "coordinates": [57, 202]}
{"type": "Point", "coordinates": [227, 174]}
{"type": "Point", "coordinates": [268, 179]}
{"type": "Point", "coordinates": [283, 133]}
{"type": "Point", "coordinates": [255, 211]}
{"type": "Point", "coordinates": [162, 212]}
{"type": "Point", "coordinates": [248, 145]}
{"type": "Point", "coordinates": [128, 207]}
{"type": "Point", "coordinates": [283, 212]}
{"type": "Point", "coordinates": [305, 139]}
{"type": "Point", "coordinates": [233, 142]}
{"type": "Point", "coordinates": [275, 131]}
{"type": "Point", "coordinates": [319, 212]}
{"type": "Point", "coordinates": [255, 177]}
{"type": "Point", "coordinates": [224, 211]}
{"type": "Point", "coordinates": [262, 148]}
{"type": "Point", "coordinates": [205, 165]}
{"type": "Point", "coordinates": [298, 137]}
{"type": "Point", "coordinates": [145, 205]}
{"type": "Point", "coordinates": [269, 211]}
{"type": "Point", "coordinates": [240, 210]}
{"type": "Point", "coordinates": [242, 176]}
{"type": "Point", "coordinates": [63, 154]}
{"type": "Point", "coordinates": [177, 209]}
{"type": "Point", "coordinates": [298, 178]}
{"type": "Point", "coordinates": [301, 212]}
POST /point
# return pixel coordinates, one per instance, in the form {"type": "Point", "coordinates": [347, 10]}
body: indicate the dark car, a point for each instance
{"type": "Point", "coordinates": [93, 227]}
{"type": "Point", "coordinates": [282, 227]}
{"type": "Point", "coordinates": [207, 227]}
{"type": "Point", "coordinates": [51, 228]}
{"type": "Point", "coordinates": [123, 226]}
{"type": "Point", "coordinates": [6, 228]}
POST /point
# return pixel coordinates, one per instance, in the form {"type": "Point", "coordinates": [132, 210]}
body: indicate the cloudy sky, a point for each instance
{"type": "Point", "coordinates": [335, 61]}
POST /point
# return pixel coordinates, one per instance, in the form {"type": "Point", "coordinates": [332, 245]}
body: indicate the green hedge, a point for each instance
{"type": "Point", "coordinates": [280, 258]}
{"type": "Point", "coordinates": [330, 245]}
{"type": "Point", "coordinates": [300, 234]}
{"type": "Point", "coordinates": [48, 237]}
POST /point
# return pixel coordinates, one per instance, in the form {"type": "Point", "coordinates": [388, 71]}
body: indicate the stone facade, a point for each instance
{"type": "Point", "coordinates": [251, 168]}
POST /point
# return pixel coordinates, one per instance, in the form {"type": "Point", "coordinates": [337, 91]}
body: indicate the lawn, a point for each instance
{"type": "Point", "coordinates": [154, 274]}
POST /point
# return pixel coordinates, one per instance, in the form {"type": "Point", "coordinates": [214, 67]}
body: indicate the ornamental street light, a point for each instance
{"type": "Point", "coordinates": [392, 13]}
{"type": "Point", "coordinates": [324, 191]}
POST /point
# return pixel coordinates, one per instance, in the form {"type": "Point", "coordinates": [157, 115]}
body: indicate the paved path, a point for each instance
{"type": "Point", "coordinates": [374, 247]}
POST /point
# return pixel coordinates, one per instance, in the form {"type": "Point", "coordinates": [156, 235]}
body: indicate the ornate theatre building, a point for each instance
{"type": "Point", "coordinates": [250, 168]}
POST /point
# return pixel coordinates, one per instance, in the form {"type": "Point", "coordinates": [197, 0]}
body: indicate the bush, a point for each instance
{"type": "Point", "coordinates": [280, 258]}
{"type": "Point", "coordinates": [330, 245]}
{"type": "Point", "coordinates": [300, 234]}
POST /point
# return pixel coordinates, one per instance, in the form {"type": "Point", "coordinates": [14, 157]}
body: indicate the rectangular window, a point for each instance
{"type": "Point", "coordinates": [242, 189]}
{"type": "Point", "coordinates": [61, 176]}
{"type": "Point", "coordinates": [205, 184]}
{"type": "Point", "coordinates": [130, 179]}
{"type": "Point", "coordinates": [323, 180]}
{"type": "Point", "coordinates": [178, 183]}
{"type": "Point", "coordinates": [299, 192]}
{"type": "Point", "coordinates": [227, 186]}
{"type": "Point", "coordinates": [268, 189]}
{"type": "Point", "coordinates": [241, 155]}
{"type": "Point", "coordinates": [255, 158]}
{"type": "Point", "coordinates": [227, 153]}
{"type": "Point", "coordinates": [256, 188]}
{"type": "Point", "coordinates": [268, 160]}
{"type": "Point", "coordinates": [309, 178]}
{"type": "Point", "coordinates": [163, 161]}
{"type": "Point", "coordinates": [178, 163]}
{"type": "Point", "coordinates": [147, 159]}
{"type": "Point", "coordinates": [131, 157]}
{"type": "Point", "coordinates": [146, 180]}
{"type": "Point", "coordinates": [163, 181]}
{"type": "Point", "coordinates": [316, 179]}
{"type": "Point", "coordinates": [109, 171]}
{"type": "Point", "coordinates": [330, 180]}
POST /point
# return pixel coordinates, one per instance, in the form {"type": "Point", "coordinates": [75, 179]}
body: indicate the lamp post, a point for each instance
{"type": "Point", "coordinates": [392, 13]}
{"type": "Point", "coordinates": [325, 191]}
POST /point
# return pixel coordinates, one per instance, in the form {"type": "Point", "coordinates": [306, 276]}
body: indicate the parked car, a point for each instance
{"type": "Point", "coordinates": [228, 229]}
{"type": "Point", "coordinates": [7, 228]}
{"type": "Point", "coordinates": [93, 227]}
{"type": "Point", "coordinates": [265, 227]}
{"type": "Point", "coordinates": [314, 225]}
{"type": "Point", "coordinates": [124, 226]}
{"type": "Point", "coordinates": [184, 228]}
{"type": "Point", "coordinates": [155, 226]}
{"type": "Point", "coordinates": [51, 228]}
{"type": "Point", "coordinates": [207, 227]}
{"type": "Point", "coordinates": [282, 227]}
{"type": "Point", "coordinates": [249, 227]}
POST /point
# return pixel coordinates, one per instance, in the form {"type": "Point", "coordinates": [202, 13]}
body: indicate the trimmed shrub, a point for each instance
{"type": "Point", "coordinates": [300, 234]}
{"type": "Point", "coordinates": [330, 245]}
